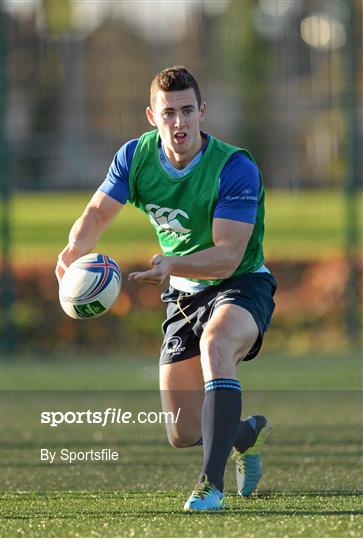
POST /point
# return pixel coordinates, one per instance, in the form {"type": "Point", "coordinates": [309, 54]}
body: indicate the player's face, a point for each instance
{"type": "Point", "coordinates": [177, 117]}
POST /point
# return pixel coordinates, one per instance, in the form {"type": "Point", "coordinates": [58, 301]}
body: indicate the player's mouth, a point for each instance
{"type": "Point", "coordinates": [180, 136]}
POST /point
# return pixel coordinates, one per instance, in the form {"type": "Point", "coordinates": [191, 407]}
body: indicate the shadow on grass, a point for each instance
{"type": "Point", "coordinates": [115, 495]}
{"type": "Point", "coordinates": [222, 514]}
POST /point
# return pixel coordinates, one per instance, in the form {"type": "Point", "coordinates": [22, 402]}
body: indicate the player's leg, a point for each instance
{"type": "Point", "coordinates": [180, 375]}
{"type": "Point", "coordinates": [248, 460]}
{"type": "Point", "coordinates": [229, 335]}
{"type": "Point", "coordinates": [182, 393]}
{"type": "Point", "coordinates": [257, 297]}
{"type": "Point", "coordinates": [222, 318]}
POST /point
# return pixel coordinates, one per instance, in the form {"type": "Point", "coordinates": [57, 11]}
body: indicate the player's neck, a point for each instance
{"type": "Point", "coordinates": [180, 161]}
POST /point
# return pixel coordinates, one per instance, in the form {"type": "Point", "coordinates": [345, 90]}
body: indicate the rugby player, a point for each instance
{"type": "Point", "coordinates": [205, 199]}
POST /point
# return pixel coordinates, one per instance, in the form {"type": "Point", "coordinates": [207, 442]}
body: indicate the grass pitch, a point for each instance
{"type": "Point", "coordinates": [311, 462]}
{"type": "Point", "coordinates": [160, 515]}
{"type": "Point", "coordinates": [302, 225]}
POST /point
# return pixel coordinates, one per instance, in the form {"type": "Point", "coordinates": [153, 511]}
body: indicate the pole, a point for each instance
{"type": "Point", "coordinates": [351, 62]}
{"type": "Point", "coordinates": [6, 294]}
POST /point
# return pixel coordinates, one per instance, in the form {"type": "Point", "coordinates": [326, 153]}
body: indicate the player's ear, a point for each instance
{"type": "Point", "coordinates": [150, 116]}
{"type": "Point", "coordinates": [202, 111]}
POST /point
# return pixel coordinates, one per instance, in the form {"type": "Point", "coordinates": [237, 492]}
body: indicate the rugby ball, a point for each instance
{"type": "Point", "coordinates": [90, 286]}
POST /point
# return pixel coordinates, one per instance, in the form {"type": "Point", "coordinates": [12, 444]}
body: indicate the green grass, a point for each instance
{"type": "Point", "coordinates": [267, 372]}
{"type": "Point", "coordinates": [302, 225]}
{"type": "Point", "coordinates": [312, 460]}
{"type": "Point", "coordinates": [160, 515]}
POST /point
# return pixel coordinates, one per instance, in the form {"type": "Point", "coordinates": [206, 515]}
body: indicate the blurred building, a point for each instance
{"type": "Point", "coordinates": [275, 75]}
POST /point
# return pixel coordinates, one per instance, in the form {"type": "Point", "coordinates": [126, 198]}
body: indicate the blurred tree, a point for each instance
{"type": "Point", "coordinates": [57, 16]}
{"type": "Point", "coordinates": [7, 340]}
{"type": "Point", "coordinates": [119, 64]}
{"type": "Point", "coordinates": [245, 61]}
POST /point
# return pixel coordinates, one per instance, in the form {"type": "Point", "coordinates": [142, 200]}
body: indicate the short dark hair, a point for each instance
{"type": "Point", "coordinates": [173, 79]}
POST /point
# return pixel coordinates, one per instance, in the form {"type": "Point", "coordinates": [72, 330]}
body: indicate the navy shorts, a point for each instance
{"type": "Point", "coordinates": [182, 331]}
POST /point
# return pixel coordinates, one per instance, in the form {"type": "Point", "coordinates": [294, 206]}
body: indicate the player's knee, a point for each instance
{"type": "Point", "coordinates": [218, 351]}
{"type": "Point", "coordinates": [214, 350]}
{"type": "Point", "coordinates": [180, 440]}
{"type": "Point", "coordinates": [248, 341]}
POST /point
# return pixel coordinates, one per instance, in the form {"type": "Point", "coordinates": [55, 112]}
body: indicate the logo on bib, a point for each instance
{"type": "Point", "coordinates": [166, 218]}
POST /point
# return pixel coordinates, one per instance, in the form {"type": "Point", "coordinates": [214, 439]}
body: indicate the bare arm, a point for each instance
{"type": "Point", "coordinates": [87, 229]}
{"type": "Point", "coordinates": [218, 262]}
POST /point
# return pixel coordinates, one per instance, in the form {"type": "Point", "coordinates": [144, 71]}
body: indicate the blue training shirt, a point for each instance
{"type": "Point", "coordinates": [239, 182]}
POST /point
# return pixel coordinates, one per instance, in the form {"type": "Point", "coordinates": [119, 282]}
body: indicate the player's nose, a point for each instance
{"type": "Point", "coordinates": [179, 120]}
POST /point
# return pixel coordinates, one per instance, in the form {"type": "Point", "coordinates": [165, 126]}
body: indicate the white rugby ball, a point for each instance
{"type": "Point", "coordinates": [90, 286]}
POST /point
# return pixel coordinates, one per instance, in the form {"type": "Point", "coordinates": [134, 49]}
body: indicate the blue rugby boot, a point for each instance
{"type": "Point", "coordinates": [248, 463]}
{"type": "Point", "coordinates": [205, 497]}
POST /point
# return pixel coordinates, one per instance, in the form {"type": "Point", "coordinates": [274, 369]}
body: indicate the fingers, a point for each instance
{"type": "Point", "coordinates": [60, 270]}
{"type": "Point", "coordinates": [156, 275]}
{"type": "Point", "coordinates": [59, 273]}
{"type": "Point", "coordinates": [156, 259]}
{"type": "Point", "coordinates": [146, 277]}
{"type": "Point", "coordinates": [61, 264]}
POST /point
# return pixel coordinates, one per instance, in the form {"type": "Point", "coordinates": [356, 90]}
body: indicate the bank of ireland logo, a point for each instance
{"type": "Point", "coordinates": [167, 218]}
{"type": "Point", "coordinates": [174, 345]}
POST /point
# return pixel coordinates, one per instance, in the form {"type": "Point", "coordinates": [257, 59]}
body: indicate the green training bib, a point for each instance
{"type": "Point", "coordinates": [181, 209]}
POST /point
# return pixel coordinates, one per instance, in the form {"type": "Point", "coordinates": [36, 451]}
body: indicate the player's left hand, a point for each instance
{"type": "Point", "coordinates": [160, 270]}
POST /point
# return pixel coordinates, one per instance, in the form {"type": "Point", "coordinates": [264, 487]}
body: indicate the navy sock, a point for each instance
{"type": "Point", "coordinates": [221, 413]}
{"type": "Point", "coordinates": [245, 436]}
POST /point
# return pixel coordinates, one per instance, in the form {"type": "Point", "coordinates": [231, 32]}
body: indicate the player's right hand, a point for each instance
{"type": "Point", "coordinates": [65, 258]}
{"type": "Point", "coordinates": [159, 272]}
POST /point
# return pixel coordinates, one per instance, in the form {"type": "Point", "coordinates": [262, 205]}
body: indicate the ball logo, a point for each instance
{"type": "Point", "coordinates": [174, 345]}
{"type": "Point", "coordinates": [166, 218]}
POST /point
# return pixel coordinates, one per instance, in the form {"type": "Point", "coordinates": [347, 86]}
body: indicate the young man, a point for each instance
{"type": "Point", "coordinates": [205, 199]}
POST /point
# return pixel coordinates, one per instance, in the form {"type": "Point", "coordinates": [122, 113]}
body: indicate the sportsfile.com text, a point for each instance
{"type": "Point", "coordinates": [108, 416]}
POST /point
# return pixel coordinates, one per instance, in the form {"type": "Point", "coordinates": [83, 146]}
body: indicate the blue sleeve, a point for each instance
{"type": "Point", "coordinates": [239, 185]}
{"type": "Point", "coordinates": [116, 184]}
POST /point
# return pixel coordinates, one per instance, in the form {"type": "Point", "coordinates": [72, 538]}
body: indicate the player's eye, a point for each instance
{"type": "Point", "coordinates": [168, 114]}
{"type": "Point", "coordinates": [187, 112]}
